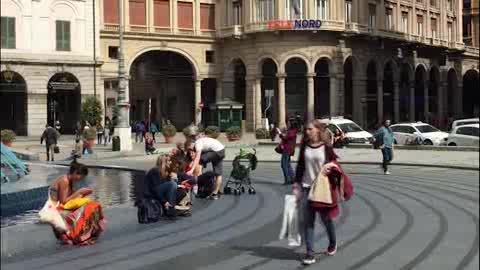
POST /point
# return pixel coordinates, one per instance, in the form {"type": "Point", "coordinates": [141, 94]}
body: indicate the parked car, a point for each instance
{"type": "Point", "coordinates": [462, 122]}
{"type": "Point", "coordinates": [409, 133]}
{"type": "Point", "coordinates": [353, 132]}
{"type": "Point", "coordinates": [463, 135]}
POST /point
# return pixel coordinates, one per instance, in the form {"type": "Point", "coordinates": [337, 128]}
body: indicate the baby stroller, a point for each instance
{"type": "Point", "coordinates": [239, 178]}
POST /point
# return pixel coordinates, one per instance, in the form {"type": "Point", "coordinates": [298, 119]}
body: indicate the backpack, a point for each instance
{"type": "Point", "coordinates": [378, 140]}
{"type": "Point", "coordinates": [205, 184]}
{"type": "Point", "coordinates": [149, 211]}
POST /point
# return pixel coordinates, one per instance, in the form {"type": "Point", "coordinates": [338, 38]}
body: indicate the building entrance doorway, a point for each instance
{"type": "Point", "coordinates": [13, 102]}
{"type": "Point", "coordinates": [64, 101]}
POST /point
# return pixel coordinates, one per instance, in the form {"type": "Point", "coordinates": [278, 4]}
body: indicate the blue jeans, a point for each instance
{"type": "Point", "coordinates": [387, 157]}
{"type": "Point", "coordinates": [287, 168]}
{"type": "Point", "coordinates": [309, 216]}
{"type": "Point", "coordinates": [166, 192]}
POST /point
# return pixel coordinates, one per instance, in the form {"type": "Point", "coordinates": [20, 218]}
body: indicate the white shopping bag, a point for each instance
{"type": "Point", "coordinates": [49, 214]}
{"type": "Point", "coordinates": [291, 222]}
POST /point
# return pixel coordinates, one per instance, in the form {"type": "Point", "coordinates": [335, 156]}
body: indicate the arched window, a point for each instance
{"type": "Point", "coordinates": [265, 10]}
{"type": "Point", "coordinates": [321, 9]}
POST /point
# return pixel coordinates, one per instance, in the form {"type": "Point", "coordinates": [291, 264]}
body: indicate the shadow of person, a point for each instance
{"type": "Point", "coordinates": [269, 252]}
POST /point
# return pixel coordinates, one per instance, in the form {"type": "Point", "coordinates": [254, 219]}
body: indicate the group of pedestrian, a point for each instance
{"type": "Point", "coordinates": [144, 128]}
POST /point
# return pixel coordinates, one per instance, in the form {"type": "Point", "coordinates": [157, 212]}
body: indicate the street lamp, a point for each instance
{"type": "Point", "coordinates": [122, 128]}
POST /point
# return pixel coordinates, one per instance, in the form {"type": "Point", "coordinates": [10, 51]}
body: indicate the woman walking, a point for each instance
{"type": "Point", "coordinates": [288, 143]}
{"type": "Point", "coordinates": [318, 159]}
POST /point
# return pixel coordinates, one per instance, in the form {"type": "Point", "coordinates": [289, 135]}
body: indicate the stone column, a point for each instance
{"type": "Point", "coordinates": [340, 102]}
{"type": "Point", "coordinates": [198, 100]}
{"type": "Point", "coordinates": [281, 100]}
{"type": "Point", "coordinates": [258, 102]}
{"type": "Point", "coordinates": [411, 113]}
{"type": "Point", "coordinates": [459, 99]}
{"type": "Point", "coordinates": [440, 102]}
{"type": "Point", "coordinates": [310, 96]}
{"type": "Point", "coordinates": [249, 109]}
{"type": "Point", "coordinates": [396, 101]}
{"type": "Point", "coordinates": [333, 95]}
{"type": "Point", "coordinates": [426, 104]}
{"type": "Point", "coordinates": [380, 100]}
{"type": "Point", "coordinates": [359, 91]}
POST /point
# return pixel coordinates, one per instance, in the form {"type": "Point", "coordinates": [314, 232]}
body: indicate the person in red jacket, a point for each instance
{"type": "Point", "coordinates": [288, 144]}
{"type": "Point", "coordinates": [316, 151]}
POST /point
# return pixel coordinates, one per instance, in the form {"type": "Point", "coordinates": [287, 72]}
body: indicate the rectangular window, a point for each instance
{"type": "Point", "coordinates": [138, 12]}
{"type": "Point", "coordinates": [388, 19]}
{"type": "Point", "coordinates": [210, 57]}
{"type": "Point", "coordinates": [161, 13]}
{"type": "Point", "coordinates": [265, 10]}
{"type": "Point", "coordinates": [419, 25]}
{"type": "Point", "coordinates": [63, 35]}
{"type": "Point", "coordinates": [185, 15]}
{"type": "Point", "coordinates": [113, 52]}
{"type": "Point", "coordinates": [294, 9]}
{"type": "Point", "coordinates": [372, 16]}
{"type": "Point", "coordinates": [237, 12]}
{"type": "Point", "coordinates": [8, 32]}
{"type": "Point", "coordinates": [450, 5]}
{"type": "Point", "coordinates": [450, 31]}
{"type": "Point", "coordinates": [348, 11]}
{"type": "Point", "coordinates": [433, 3]}
{"type": "Point", "coordinates": [322, 9]}
{"type": "Point", "coordinates": [433, 25]}
{"type": "Point", "coordinates": [405, 22]}
{"type": "Point", "coordinates": [110, 11]}
{"type": "Point", "coordinates": [207, 17]}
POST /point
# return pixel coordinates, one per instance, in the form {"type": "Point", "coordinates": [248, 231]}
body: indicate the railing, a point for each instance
{"type": "Point", "coordinates": [472, 50]}
{"type": "Point", "coordinates": [110, 27]}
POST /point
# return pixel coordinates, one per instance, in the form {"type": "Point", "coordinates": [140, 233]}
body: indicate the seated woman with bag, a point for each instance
{"type": "Point", "coordinates": [76, 220]}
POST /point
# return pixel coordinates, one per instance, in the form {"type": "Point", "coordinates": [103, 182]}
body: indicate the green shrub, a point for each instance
{"type": "Point", "coordinates": [234, 132]}
{"type": "Point", "coordinates": [262, 133]}
{"type": "Point", "coordinates": [169, 130]}
{"type": "Point", "coordinates": [212, 131]}
{"type": "Point", "coordinates": [91, 110]}
{"type": "Point", "coordinates": [90, 134]}
{"type": "Point", "coordinates": [7, 135]}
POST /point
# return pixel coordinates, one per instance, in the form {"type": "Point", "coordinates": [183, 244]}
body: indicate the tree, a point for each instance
{"type": "Point", "coordinates": [92, 110]}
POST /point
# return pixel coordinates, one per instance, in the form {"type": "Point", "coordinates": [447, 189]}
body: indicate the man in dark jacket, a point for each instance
{"type": "Point", "coordinates": [50, 136]}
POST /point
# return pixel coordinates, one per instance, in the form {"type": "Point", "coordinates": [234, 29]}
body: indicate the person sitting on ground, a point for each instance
{"type": "Point", "coordinates": [85, 223]}
{"type": "Point", "coordinates": [339, 140]}
{"type": "Point", "coordinates": [161, 183]}
{"type": "Point", "coordinates": [205, 181]}
{"type": "Point", "coordinates": [208, 150]}
{"type": "Point", "coordinates": [149, 148]}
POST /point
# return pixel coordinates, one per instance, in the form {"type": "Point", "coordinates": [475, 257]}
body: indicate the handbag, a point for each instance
{"type": "Point", "coordinates": [320, 192]}
{"type": "Point", "coordinates": [56, 149]}
{"type": "Point", "coordinates": [279, 149]}
{"type": "Point", "coordinates": [149, 211]}
{"type": "Point", "coordinates": [50, 214]}
{"type": "Point", "coordinates": [76, 203]}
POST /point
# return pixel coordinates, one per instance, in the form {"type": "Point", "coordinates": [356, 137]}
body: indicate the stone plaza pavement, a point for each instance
{"type": "Point", "coordinates": [417, 218]}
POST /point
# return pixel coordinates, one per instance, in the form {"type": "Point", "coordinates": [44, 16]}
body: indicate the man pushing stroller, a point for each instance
{"type": "Point", "coordinates": [208, 150]}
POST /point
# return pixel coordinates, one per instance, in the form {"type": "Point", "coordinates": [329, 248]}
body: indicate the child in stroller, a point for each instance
{"type": "Point", "coordinates": [243, 164]}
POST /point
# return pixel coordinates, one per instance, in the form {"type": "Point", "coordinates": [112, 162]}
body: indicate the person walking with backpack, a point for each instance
{"type": "Point", "coordinates": [384, 140]}
{"type": "Point", "coordinates": [318, 167]}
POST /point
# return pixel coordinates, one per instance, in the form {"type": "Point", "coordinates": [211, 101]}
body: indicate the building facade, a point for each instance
{"type": "Point", "coordinates": [471, 23]}
{"type": "Point", "coordinates": [367, 60]}
{"type": "Point", "coordinates": [48, 65]}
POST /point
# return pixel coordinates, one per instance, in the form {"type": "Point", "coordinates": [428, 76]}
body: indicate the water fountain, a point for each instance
{"type": "Point", "coordinates": [12, 167]}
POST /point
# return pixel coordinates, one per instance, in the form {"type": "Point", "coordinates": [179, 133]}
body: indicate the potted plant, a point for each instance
{"type": "Point", "coordinates": [8, 136]}
{"type": "Point", "coordinates": [91, 111]}
{"type": "Point", "coordinates": [89, 136]}
{"type": "Point", "coordinates": [262, 133]}
{"type": "Point", "coordinates": [234, 133]}
{"type": "Point", "coordinates": [212, 132]}
{"type": "Point", "coordinates": [169, 131]}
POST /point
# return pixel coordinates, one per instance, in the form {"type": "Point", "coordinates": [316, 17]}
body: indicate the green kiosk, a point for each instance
{"type": "Point", "coordinates": [225, 114]}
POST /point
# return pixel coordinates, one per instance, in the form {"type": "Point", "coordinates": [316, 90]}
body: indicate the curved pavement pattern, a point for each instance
{"type": "Point", "coordinates": [416, 218]}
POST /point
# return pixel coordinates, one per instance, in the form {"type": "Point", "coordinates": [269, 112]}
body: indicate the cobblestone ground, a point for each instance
{"type": "Point", "coordinates": [416, 218]}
